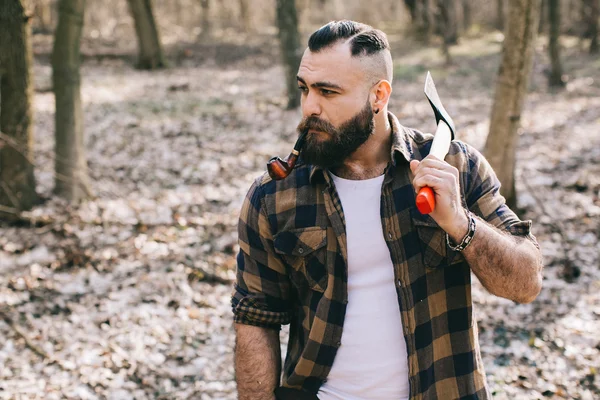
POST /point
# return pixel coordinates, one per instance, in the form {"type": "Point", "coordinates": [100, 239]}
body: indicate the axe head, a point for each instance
{"type": "Point", "coordinates": [438, 109]}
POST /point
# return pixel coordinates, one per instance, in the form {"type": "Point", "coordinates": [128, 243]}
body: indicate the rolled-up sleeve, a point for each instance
{"type": "Point", "coordinates": [484, 199]}
{"type": "Point", "coordinates": [261, 291]}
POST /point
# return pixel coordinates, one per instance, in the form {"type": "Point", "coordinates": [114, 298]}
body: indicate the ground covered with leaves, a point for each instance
{"type": "Point", "coordinates": [127, 295]}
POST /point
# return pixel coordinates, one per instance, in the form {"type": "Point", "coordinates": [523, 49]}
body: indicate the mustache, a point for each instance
{"type": "Point", "coordinates": [315, 123]}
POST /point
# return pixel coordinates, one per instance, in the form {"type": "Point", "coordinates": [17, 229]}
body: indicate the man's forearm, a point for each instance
{"type": "Point", "coordinates": [257, 362]}
{"type": "Point", "coordinates": [506, 265]}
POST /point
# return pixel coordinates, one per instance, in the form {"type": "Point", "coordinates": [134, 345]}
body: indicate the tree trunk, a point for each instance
{"type": "Point", "coordinates": [425, 23]}
{"type": "Point", "coordinates": [412, 9]}
{"type": "Point", "coordinates": [150, 54]}
{"type": "Point", "coordinates": [72, 182]}
{"type": "Point", "coordinates": [17, 181]}
{"type": "Point", "coordinates": [451, 23]}
{"type": "Point", "coordinates": [43, 10]}
{"type": "Point", "coordinates": [448, 27]}
{"type": "Point", "coordinates": [446, 52]}
{"type": "Point", "coordinates": [594, 16]}
{"type": "Point", "coordinates": [511, 88]}
{"type": "Point", "coordinates": [206, 25]}
{"type": "Point", "coordinates": [583, 17]}
{"type": "Point", "coordinates": [500, 15]}
{"type": "Point", "coordinates": [289, 39]}
{"type": "Point", "coordinates": [543, 16]}
{"type": "Point", "coordinates": [555, 78]}
{"type": "Point", "coordinates": [467, 17]}
{"type": "Point", "coordinates": [245, 15]}
{"type": "Point", "coordinates": [571, 15]}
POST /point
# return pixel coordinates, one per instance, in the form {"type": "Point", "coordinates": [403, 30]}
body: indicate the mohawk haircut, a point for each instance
{"type": "Point", "coordinates": [364, 39]}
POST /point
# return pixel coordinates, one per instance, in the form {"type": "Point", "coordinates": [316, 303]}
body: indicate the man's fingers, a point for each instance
{"type": "Point", "coordinates": [431, 162]}
{"type": "Point", "coordinates": [436, 179]}
{"type": "Point", "coordinates": [414, 165]}
{"type": "Point", "coordinates": [433, 182]}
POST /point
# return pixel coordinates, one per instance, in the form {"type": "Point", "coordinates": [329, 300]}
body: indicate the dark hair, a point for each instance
{"type": "Point", "coordinates": [366, 40]}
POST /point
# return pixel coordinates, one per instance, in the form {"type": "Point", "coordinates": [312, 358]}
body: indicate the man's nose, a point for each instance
{"type": "Point", "coordinates": [311, 105]}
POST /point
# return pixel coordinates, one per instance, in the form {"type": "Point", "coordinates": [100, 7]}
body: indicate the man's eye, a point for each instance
{"type": "Point", "coordinates": [302, 88]}
{"type": "Point", "coordinates": [327, 92]}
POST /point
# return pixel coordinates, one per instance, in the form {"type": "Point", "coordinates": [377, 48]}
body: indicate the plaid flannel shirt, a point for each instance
{"type": "Point", "coordinates": [292, 269]}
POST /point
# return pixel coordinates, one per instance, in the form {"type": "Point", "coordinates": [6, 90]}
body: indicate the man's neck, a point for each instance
{"type": "Point", "coordinates": [370, 159]}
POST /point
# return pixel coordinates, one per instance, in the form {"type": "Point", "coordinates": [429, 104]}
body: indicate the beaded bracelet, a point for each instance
{"type": "Point", "coordinates": [468, 237]}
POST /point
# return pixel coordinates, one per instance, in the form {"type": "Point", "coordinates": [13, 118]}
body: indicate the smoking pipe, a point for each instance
{"type": "Point", "coordinates": [280, 169]}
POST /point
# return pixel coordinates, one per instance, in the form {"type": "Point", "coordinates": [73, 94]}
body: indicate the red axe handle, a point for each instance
{"type": "Point", "coordinates": [439, 148]}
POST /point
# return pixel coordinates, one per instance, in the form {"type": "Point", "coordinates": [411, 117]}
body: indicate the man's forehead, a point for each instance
{"type": "Point", "coordinates": [333, 63]}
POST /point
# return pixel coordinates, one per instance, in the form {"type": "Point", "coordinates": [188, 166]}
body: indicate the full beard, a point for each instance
{"type": "Point", "coordinates": [342, 141]}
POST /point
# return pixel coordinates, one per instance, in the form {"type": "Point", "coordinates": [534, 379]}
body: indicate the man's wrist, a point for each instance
{"type": "Point", "coordinates": [459, 229]}
{"type": "Point", "coordinates": [463, 243]}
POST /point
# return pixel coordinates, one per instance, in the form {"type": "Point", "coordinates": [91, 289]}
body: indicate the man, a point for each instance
{"type": "Point", "coordinates": [378, 295]}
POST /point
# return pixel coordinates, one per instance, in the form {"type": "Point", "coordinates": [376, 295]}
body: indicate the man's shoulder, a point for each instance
{"type": "Point", "coordinates": [269, 190]}
{"type": "Point", "coordinates": [298, 177]}
{"type": "Point", "coordinates": [285, 201]}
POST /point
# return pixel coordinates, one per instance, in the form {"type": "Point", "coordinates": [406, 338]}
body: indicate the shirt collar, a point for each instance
{"type": "Point", "coordinates": [401, 149]}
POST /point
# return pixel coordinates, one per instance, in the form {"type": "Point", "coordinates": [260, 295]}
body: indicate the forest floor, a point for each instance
{"type": "Point", "coordinates": [126, 296]}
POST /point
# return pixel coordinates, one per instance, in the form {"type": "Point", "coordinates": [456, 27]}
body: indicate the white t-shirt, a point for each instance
{"type": "Point", "coordinates": [372, 362]}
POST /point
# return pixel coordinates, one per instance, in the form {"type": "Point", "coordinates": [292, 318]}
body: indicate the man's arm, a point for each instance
{"type": "Point", "coordinates": [257, 362]}
{"type": "Point", "coordinates": [260, 302]}
{"type": "Point", "coordinates": [507, 266]}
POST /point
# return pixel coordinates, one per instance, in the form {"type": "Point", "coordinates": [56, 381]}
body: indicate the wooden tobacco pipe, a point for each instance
{"type": "Point", "coordinates": [280, 169]}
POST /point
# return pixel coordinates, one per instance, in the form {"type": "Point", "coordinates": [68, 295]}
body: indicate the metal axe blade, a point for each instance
{"type": "Point", "coordinates": [444, 134]}
{"type": "Point", "coordinates": [438, 108]}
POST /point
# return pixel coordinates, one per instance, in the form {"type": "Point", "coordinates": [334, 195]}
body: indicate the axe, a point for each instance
{"type": "Point", "coordinates": [444, 134]}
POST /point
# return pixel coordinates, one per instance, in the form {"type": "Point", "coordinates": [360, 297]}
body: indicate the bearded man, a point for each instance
{"type": "Point", "coordinates": [377, 295]}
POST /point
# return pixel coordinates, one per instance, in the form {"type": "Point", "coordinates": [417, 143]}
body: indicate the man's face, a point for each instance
{"type": "Point", "coordinates": [336, 106]}
{"type": "Point", "coordinates": [339, 142]}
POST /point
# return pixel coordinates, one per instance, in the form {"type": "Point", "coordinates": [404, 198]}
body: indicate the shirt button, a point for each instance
{"type": "Point", "coordinates": [338, 344]}
{"type": "Point", "coordinates": [390, 235]}
{"type": "Point", "coordinates": [300, 250]}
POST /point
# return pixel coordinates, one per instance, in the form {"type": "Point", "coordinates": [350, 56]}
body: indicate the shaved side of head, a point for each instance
{"type": "Point", "coordinates": [368, 45]}
{"type": "Point", "coordinates": [378, 66]}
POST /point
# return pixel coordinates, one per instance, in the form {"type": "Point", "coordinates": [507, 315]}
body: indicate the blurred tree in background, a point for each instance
{"type": "Point", "coordinates": [245, 15]}
{"type": "Point", "coordinates": [592, 11]}
{"type": "Point", "coordinates": [70, 161]}
{"type": "Point", "coordinates": [44, 15]}
{"type": "Point", "coordinates": [206, 19]}
{"type": "Point", "coordinates": [448, 26]}
{"type": "Point", "coordinates": [17, 182]}
{"type": "Point", "coordinates": [150, 54]}
{"type": "Point", "coordinates": [500, 15]}
{"type": "Point", "coordinates": [109, 19]}
{"type": "Point", "coordinates": [556, 73]}
{"type": "Point", "coordinates": [467, 19]}
{"type": "Point", "coordinates": [289, 39]}
{"type": "Point", "coordinates": [216, 25]}
{"type": "Point", "coordinates": [511, 89]}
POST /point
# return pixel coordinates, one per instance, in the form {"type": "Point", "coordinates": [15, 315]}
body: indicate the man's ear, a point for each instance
{"type": "Point", "coordinates": [382, 91]}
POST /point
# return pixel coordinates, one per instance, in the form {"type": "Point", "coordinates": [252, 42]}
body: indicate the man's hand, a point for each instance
{"type": "Point", "coordinates": [443, 179]}
{"type": "Point", "coordinates": [507, 266]}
